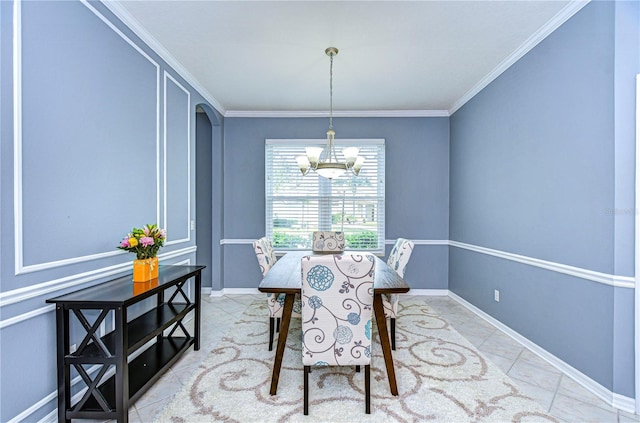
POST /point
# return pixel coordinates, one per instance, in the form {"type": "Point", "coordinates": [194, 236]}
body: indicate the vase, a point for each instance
{"type": "Point", "coordinates": [145, 270]}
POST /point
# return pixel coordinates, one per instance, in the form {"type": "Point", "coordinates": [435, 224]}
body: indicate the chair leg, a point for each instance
{"type": "Point", "coordinates": [278, 324]}
{"type": "Point", "coordinates": [271, 327]}
{"type": "Point", "coordinates": [367, 389]}
{"type": "Point", "coordinates": [393, 333]}
{"type": "Point", "coordinates": [357, 369]}
{"type": "Point", "coordinates": [306, 390]}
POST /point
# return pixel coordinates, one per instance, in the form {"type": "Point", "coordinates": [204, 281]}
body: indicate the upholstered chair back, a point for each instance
{"type": "Point", "coordinates": [265, 254]}
{"type": "Point", "coordinates": [328, 242]}
{"type": "Point", "coordinates": [337, 300]}
{"type": "Point", "coordinates": [399, 256]}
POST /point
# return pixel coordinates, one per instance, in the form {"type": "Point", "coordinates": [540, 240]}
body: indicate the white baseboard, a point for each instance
{"type": "Point", "coordinates": [429, 292]}
{"type": "Point", "coordinates": [234, 291]}
{"type": "Point", "coordinates": [615, 400]}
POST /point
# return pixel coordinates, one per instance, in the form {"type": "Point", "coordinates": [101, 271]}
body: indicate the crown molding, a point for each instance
{"type": "Point", "coordinates": [554, 23]}
{"type": "Point", "coordinates": [344, 113]}
{"type": "Point", "coordinates": [121, 13]}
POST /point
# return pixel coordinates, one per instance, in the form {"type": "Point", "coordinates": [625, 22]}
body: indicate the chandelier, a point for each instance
{"type": "Point", "coordinates": [324, 161]}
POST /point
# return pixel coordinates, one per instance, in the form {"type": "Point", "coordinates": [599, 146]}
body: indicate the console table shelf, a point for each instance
{"type": "Point", "coordinates": [110, 398]}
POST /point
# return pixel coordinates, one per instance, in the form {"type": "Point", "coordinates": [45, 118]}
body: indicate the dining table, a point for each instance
{"type": "Point", "coordinates": [285, 277]}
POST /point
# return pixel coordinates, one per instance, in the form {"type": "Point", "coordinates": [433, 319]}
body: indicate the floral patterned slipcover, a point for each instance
{"type": "Point", "coordinates": [337, 300]}
{"type": "Point", "coordinates": [328, 242]}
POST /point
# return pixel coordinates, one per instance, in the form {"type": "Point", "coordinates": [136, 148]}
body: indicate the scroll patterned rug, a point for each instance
{"type": "Point", "coordinates": [441, 378]}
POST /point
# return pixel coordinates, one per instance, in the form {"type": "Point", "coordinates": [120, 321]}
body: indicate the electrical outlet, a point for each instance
{"type": "Point", "coordinates": [496, 295]}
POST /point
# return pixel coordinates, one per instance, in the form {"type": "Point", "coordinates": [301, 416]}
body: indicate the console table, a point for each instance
{"type": "Point", "coordinates": [99, 356]}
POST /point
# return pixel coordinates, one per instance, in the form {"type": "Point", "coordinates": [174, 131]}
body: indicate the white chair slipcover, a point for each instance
{"type": "Point", "coordinates": [398, 259]}
{"type": "Point", "coordinates": [275, 302]}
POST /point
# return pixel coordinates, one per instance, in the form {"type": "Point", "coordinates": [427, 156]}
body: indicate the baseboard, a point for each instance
{"type": "Point", "coordinates": [429, 292]}
{"type": "Point", "coordinates": [615, 400]}
{"type": "Point", "coordinates": [234, 291]}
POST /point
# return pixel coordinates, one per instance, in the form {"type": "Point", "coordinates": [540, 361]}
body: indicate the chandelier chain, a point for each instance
{"type": "Point", "coordinates": [331, 91]}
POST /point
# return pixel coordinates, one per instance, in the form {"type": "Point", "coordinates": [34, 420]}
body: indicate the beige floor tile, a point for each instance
{"type": "Point", "coordinates": [503, 363]}
{"type": "Point", "coordinates": [544, 397]}
{"type": "Point", "coordinates": [163, 390]}
{"type": "Point", "coordinates": [534, 375]}
{"type": "Point", "coordinates": [570, 388]}
{"type": "Point", "coordinates": [501, 344]}
{"type": "Point", "coordinates": [626, 417]}
{"type": "Point", "coordinates": [569, 409]}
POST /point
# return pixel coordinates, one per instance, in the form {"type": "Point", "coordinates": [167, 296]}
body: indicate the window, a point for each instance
{"type": "Point", "coordinates": [297, 205]}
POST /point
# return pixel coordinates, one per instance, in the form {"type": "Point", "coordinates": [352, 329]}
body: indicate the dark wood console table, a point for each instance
{"type": "Point", "coordinates": [98, 356]}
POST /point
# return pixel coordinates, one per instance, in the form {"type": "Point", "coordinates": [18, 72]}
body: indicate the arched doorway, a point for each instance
{"type": "Point", "coordinates": [209, 195]}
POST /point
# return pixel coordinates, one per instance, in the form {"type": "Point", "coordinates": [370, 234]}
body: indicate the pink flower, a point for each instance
{"type": "Point", "coordinates": [146, 241]}
{"type": "Point", "coordinates": [125, 243]}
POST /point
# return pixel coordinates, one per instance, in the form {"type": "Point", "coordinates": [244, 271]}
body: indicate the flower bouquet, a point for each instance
{"type": "Point", "coordinates": [145, 242]}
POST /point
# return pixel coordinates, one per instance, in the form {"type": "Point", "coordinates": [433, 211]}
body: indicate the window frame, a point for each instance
{"type": "Point", "coordinates": [325, 185]}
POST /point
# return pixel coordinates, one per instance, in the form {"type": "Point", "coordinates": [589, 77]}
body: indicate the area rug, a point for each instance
{"type": "Point", "coordinates": [441, 378]}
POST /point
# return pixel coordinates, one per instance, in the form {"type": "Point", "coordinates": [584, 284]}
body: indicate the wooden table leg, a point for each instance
{"type": "Point", "coordinates": [282, 340]}
{"type": "Point", "coordinates": [384, 341]}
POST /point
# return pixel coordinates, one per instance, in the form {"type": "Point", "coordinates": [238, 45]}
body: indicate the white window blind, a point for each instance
{"type": "Point", "coordinates": [297, 205]}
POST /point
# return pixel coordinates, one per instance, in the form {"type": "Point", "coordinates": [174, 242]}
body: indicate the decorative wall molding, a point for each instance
{"type": "Point", "coordinates": [34, 291]}
{"type": "Point", "coordinates": [637, 248]}
{"type": "Point", "coordinates": [20, 268]}
{"type": "Point", "coordinates": [561, 17]}
{"type": "Point", "coordinates": [615, 400]}
{"type": "Point", "coordinates": [236, 241]}
{"type": "Point", "coordinates": [121, 13]}
{"type": "Point", "coordinates": [592, 275]}
{"type": "Point", "coordinates": [343, 113]}
{"type": "Point", "coordinates": [167, 77]}
{"type": "Point", "coordinates": [605, 278]}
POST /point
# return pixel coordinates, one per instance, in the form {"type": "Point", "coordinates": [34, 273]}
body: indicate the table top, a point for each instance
{"type": "Point", "coordinates": [122, 290]}
{"type": "Point", "coordinates": [284, 276]}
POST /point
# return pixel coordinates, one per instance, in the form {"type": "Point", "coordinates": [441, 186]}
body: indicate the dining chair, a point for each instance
{"type": "Point", "coordinates": [398, 259]}
{"type": "Point", "coordinates": [328, 242]}
{"type": "Point", "coordinates": [337, 301]}
{"type": "Point", "coordinates": [275, 302]}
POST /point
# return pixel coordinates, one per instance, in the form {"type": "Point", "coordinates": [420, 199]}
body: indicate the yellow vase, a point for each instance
{"type": "Point", "coordinates": [145, 270]}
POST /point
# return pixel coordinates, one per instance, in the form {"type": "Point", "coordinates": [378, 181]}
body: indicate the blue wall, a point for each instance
{"type": "Point", "coordinates": [90, 146]}
{"type": "Point", "coordinates": [417, 187]}
{"type": "Point", "coordinates": [540, 165]}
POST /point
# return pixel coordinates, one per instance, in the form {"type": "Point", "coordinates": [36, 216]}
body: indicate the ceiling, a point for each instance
{"type": "Point", "coordinates": [395, 57]}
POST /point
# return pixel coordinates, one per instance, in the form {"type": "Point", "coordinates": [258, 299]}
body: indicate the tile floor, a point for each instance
{"type": "Point", "coordinates": [557, 394]}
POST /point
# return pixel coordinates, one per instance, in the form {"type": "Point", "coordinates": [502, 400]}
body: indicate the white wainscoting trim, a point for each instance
{"type": "Point", "coordinates": [236, 241]}
{"type": "Point", "coordinates": [615, 400]}
{"type": "Point", "coordinates": [561, 17]}
{"type": "Point", "coordinates": [159, 49]}
{"type": "Point", "coordinates": [167, 76]}
{"type": "Point", "coordinates": [605, 278]}
{"type": "Point", "coordinates": [20, 268]}
{"type": "Point", "coordinates": [340, 113]}
{"type": "Point", "coordinates": [33, 291]}
{"type": "Point", "coordinates": [26, 316]}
